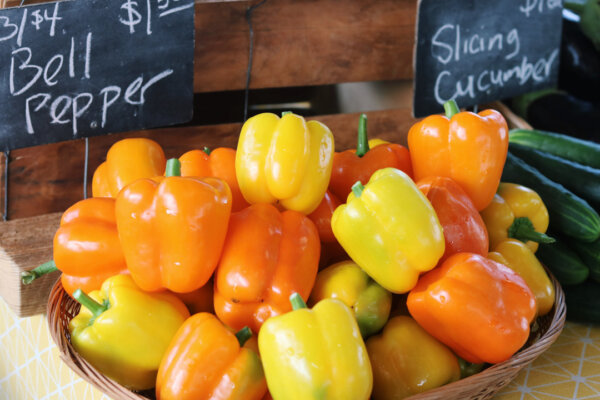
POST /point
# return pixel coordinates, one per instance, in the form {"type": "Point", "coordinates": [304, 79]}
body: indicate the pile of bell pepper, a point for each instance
{"type": "Point", "coordinates": [194, 274]}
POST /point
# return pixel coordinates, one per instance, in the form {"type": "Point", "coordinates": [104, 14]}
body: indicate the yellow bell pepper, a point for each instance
{"type": "Point", "coordinates": [347, 282]}
{"type": "Point", "coordinates": [124, 332]}
{"type": "Point", "coordinates": [315, 354]}
{"type": "Point", "coordinates": [407, 360]}
{"type": "Point", "coordinates": [516, 212]}
{"type": "Point", "coordinates": [518, 257]}
{"type": "Point", "coordinates": [285, 159]}
{"type": "Point", "coordinates": [390, 229]}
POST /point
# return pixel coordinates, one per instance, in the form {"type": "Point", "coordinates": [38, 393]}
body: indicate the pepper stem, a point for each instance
{"type": "Point", "coordinates": [363, 142]}
{"type": "Point", "coordinates": [243, 335]}
{"type": "Point", "coordinates": [297, 302]}
{"type": "Point", "coordinates": [173, 167]}
{"type": "Point", "coordinates": [206, 150]}
{"type": "Point", "coordinates": [522, 229]}
{"type": "Point", "coordinates": [358, 188]}
{"type": "Point", "coordinates": [29, 276]}
{"type": "Point", "coordinates": [285, 113]}
{"type": "Point", "coordinates": [451, 108]}
{"type": "Point", "coordinates": [89, 303]}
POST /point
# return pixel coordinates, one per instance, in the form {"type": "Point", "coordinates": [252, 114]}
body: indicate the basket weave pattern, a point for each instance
{"type": "Point", "coordinates": [62, 308]}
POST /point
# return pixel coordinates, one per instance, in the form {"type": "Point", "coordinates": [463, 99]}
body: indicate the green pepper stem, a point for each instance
{"type": "Point", "coordinates": [29, 276]}
{"type": "Point", "coordinates": [522, 229]}
{"type": "Point", "coordinates": [285, 113]}
{"type": "Point", "coordinates": [297, 302]}
{"type": "Point", "coordinates": [95, 308]}
{"type": "Point", "coordinates": [358, 188]}
{"type": "Point", "coordinates": [173, 167]}
{"type": "Point", "coordinates": [451, 108]}
{"type": "Point", "coordinates": [363, 142]}
{"type": "Point", "coordinates": [243, 335]}
{"type": "Point", "coordinates": [206, 150]}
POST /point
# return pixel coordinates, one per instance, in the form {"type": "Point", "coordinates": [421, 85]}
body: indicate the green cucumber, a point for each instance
{"type": "Point", "coordinates": [590, 255]}
{"type": "Point", "coordinates": [569, 214]}
{"type": "Point", "coordinates": [565, 264]}
{"type": "Point", "coordinates": [569, 147]}
{"type": "Point", "coordinates": [583, 302]}
{"type": "Point", "coordinates": [581, 179]}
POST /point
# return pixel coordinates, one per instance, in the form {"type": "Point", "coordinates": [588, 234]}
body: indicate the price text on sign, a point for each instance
{"type": "Point", "coordinates": [480, 51]}
{"type": "Point", "coordinates": [86, 67]}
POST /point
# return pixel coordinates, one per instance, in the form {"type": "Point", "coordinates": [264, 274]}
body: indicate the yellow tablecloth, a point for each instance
{"type": "Point", "coordinates": [30, 367]}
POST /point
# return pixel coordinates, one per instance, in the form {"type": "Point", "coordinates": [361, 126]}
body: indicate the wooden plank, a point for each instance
{"type": "Point", "coordinates": [301, 43]}
{"type": "Point", "coordinates": [46, 179]}
{"type": "Point", "coordinates": [24, 244]}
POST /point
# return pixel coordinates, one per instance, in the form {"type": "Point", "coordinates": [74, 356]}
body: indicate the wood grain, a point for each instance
{"type": "Point", "coordinates": [301, 42]}
{"type": "Point", "coordinates": [24, 244]}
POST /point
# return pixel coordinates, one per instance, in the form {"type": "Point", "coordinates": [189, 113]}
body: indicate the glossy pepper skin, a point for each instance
{"type": "Point", "coordinates": [518, 257]}
{"type": "Point", "coordinates": [348, 283]}
{"type": "Point", "coordinates": [467, 147]}
{"type": "Point", "coordinates": [464, 230]}
{"type": "Point", "coordinates": [268, 255]}
{"type": "Point", "coordinates": [315, 354]}
{"type": "Point", "coordinates": [172, 231]}
{"type": "Point", "coordinates": [331, 251]}
{"type": "Point", "coordinates": [206, 361]}
{"type": "Point", "coordinates": [390, 230]}
{"type": "Point", "coordinates": [199, 300]}
{"type": "Point", "coordinates": [126, 161]}
{"type": "Point", "coordinates": [358, 165]}
{"type": "Point", "coordinates": [125, 332]}
{"type": "Point", "coordinates": [86, 245]}
{"type": "Point", "coordinates": [516, 212]}
{"type": "Point", "coordinates": [477, 307]}
{"type": "Point", "coordinates": [407, 360]}
{"type": "Point", "coordinates": [284, 159]}
{"type": "Point", "coordinates": [218, 163]}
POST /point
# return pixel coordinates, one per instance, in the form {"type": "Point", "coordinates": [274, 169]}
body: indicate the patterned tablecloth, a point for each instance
{"type": "Point", "coordinates": [30, 367]}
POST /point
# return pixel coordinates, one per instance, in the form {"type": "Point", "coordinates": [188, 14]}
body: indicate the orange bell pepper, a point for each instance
{"type": "Point", "coordinates": [199, 300]}
{"type": "Point", "coordinates": [464, 229]}
{"type": "Point", "coordinates": [86, 247]}
{"type": "Point", "coordinates": [219, 163]}
{"type": "Point", "coordinates": [467, 147]}
{"type": "Point", "coordinates": [479, 308]}
{"type": "Point", "coordinates": [172, 229]}
{"type": "Point", "coordinates": [268, 255]}
{"type": "Point", "coordinates": [206, 361]}
{"type": "Point", "coordinates": [358, 165]}
{"type": "Point", "coordinates": [331, 250]}
{"type": "Point", "coordinates": [126, 161]}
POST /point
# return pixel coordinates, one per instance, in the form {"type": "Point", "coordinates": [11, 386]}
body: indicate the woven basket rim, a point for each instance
{"type": "Point", "coordinates": [479, 386]}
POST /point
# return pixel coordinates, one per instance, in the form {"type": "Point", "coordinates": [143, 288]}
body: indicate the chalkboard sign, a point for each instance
{"type": "Point", "coordinates": [80, 68]}
{"type": "Point", "coordinates": [480, 51]}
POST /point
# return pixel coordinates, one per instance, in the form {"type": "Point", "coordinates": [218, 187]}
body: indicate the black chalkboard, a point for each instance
{"type": "Point", "coordinates": [81, 68]}
{"type": "Point", "coordinates": [480, 51]}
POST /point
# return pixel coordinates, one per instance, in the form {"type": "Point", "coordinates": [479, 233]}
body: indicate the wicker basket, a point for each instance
{"type": "Point", "coordinates": [61, 308]}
